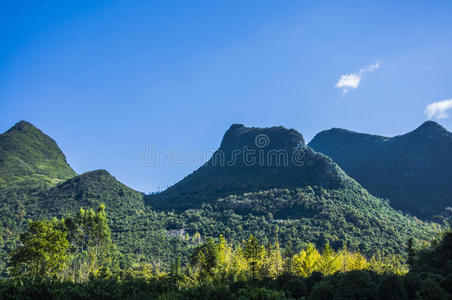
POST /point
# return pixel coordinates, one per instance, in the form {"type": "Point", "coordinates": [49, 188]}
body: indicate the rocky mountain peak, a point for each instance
{"type": "Point", "coordinates": [277, 138]}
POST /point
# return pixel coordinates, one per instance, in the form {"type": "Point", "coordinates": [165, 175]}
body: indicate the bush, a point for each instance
{"type": "Point", "coordinates": [354, 285]}
{"type": "Point", "coordinates": [446, 283]}
{"type": "Point", "coordinates": [432, 291]}
{"type": "Point", "coordinates": [412, 283]}
{"type": "Point", "coordinates": [391, 287]}
{"type": "Point", "coordinates": [322, 291]}
{"type": "Point", "coordinates": [296, 288]}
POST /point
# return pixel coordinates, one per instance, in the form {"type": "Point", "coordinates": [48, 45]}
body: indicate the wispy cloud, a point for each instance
{"type": "Point", "coordinates": [438, 109]}
{"type": "Point", "coordinates": [352, 81]}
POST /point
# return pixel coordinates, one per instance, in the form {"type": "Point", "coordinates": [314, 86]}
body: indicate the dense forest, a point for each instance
{"type": "Point", "coordinates": [74, 257]}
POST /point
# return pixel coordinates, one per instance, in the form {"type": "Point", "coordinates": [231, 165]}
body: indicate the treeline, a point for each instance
{"type": "Point", "coordinates": [350, 218]}
{"type": "Point", "coordinates": [74, 257]}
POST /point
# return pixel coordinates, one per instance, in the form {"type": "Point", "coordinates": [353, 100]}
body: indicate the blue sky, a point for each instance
{"type": "Point", "coordinates": [110, 80]}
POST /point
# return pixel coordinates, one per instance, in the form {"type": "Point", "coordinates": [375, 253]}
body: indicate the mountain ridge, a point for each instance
{"type": "Point", "coordinates": [414, 166]}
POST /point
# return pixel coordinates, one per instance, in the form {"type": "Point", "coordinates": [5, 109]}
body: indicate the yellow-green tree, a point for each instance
{"type": "Point", "coordinates": [224, 261]}
{"type": "Point", "coordinates": [391, 264]}
{"type": "Point", "coordinates": [273, 263]}
{"type": "Point", "coordinates": [352, 260]}
{"type": "Point", "coordinates": [330, 261]}
{"type": "Point", "coordinates": [254, 253]}
{"type": "Point", "coordinates": [306, 262]}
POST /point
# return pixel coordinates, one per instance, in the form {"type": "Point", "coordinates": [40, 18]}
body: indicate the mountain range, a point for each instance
{"type": "Point", "coordinates": [412, 170]}
{"type": "Point", "coordinates": [264, 181]}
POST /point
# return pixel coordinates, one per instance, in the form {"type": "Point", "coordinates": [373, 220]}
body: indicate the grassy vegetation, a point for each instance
{"type": "Point", "coordinates": [28, 156]}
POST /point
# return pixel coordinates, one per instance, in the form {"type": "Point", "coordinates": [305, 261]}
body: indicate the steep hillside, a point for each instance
{"type": "Point", "coordinates": [29, 156]}
{"type": "Point", "coordinates": [413, 170]}
{"type": "Point", "coordinates": [251, 160]}
{"type": "Point", "coordinates": [89, 190]}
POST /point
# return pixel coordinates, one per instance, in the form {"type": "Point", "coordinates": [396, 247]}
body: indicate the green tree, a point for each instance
{"type": "Point", "coordinates": [252, 251]}
{"type": "Point", "coordinates": [71, 248]}
{"type": "Point", "coordinates": [92, 248]}
{"type": "Point", "coordinates": [410, 251]}
{"type": "Point", "coordinates": [206, 258]}
{"type": "Point", "coordinates": [43, 250]}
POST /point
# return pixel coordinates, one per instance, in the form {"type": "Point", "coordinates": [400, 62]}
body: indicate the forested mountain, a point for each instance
{"type": "Point", "coordinates": [292, 194]}
{"type": "Point", "coordinates": [412, 170]}
{"type": "Point", "coordinates": [307, 195]}
{"type": "Point", "coordinates": [90, 190]}
{"type": "Point", "coordinates": [251, 160]}
{"type": "Point", "coordinates": [342, 217]}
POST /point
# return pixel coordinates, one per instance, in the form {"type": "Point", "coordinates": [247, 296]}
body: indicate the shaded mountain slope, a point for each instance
{"type": "Point", "coordinates": [412, 170]}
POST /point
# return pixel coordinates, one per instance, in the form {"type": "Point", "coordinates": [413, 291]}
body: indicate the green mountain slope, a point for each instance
{"type": "Point", "coordinates": [412, 170]}
{"type": "Point", "coordinates": [90, 190]}
{"type": "Point", "coordinates": [29, 156]}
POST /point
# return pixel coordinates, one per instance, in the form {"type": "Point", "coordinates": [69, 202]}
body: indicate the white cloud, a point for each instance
{"type": "Point", "coordinates": [348, 81]}
{"type": "Point", "coordinates": [352, 81]}
{"type": "Point", "coordinates": [438, 109]}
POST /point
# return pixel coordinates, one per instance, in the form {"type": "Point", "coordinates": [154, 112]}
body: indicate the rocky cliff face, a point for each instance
{"type": "Point", "coordinates": [238, 136]}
